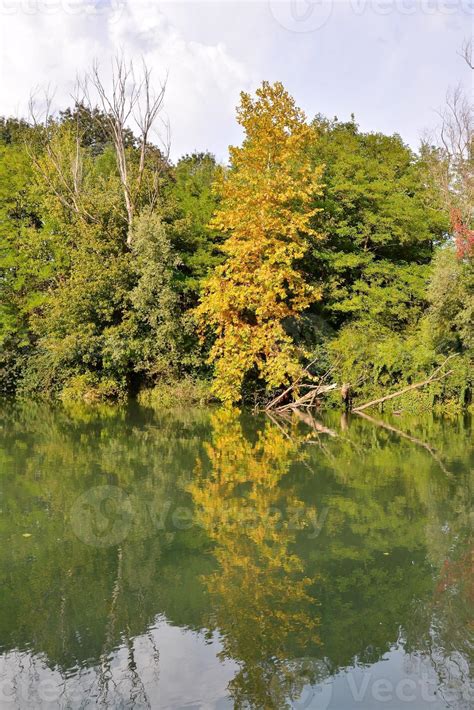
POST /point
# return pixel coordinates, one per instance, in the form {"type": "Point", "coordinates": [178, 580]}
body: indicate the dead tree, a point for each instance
{"type": "Point", "coordinates": [449, 155]}
{"type": "Point", "coordinates": [131, 101]}
{"type": "Point", "coordinates": [65, 180]}
{"type": "Point", "coordinates": [130, 104]}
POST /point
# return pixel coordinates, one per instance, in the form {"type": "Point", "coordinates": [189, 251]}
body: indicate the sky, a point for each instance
{"type": "Point", "coordinates": [390, 62]}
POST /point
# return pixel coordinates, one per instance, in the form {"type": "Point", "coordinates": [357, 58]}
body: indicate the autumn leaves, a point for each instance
{"type": "Point", "coordinates": [267, 204]}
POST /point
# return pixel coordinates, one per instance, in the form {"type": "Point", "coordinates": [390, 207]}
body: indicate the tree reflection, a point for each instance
{"type": "Point", "coordinates": [364, 585]}
{"type": "Point", "coordinates": [76, 605]}
{"type": "Point", "coordinates": [260, 593]}
{"type": "Point", "coordinates": [309, 549]}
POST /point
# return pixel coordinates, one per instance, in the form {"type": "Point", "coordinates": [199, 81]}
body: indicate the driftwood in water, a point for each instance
{"type": "Point", "coordinates": [292, 388]}
{"type": "Point", "coordinates": [280, 403]}
{"type": "Point", "coordinates": [308, 399]}
{"type": "Point", "coordinates": [433, 378]}
{"type": "Point", "coordinates": [313, 392]}
{"type": "Point", "coordinates": [274, 402]}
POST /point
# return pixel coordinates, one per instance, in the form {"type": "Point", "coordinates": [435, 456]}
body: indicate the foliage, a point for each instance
{"type": "Point", "coordinates": [451, 295]}
{"type": "Point", "coordinates": [90, 389]}
{"type": "Point", "coordinates": [23, 278]}
{"type": "Point", "coordinates": [319, 243]}
{"type": "Point", "coordinates": [154, 299]}
{"type": "Point", "coordinates": [191, 203]}
{"type": "Point", "coordinates": [79, 304]}
{"type": "Point", "coordinates": [378, 361]}
{"type": "Point", "coordinates": [266, 211]}
{"type": "Point", "coordinates": [379, 227]}
{"type": "Point", "coordinates": [177, 393]}
{"type": "Point", "coordinates": [385, 290]}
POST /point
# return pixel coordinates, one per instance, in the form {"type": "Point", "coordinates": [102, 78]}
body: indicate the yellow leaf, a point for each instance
{"type": "Point", "coordinates": [267, 203]}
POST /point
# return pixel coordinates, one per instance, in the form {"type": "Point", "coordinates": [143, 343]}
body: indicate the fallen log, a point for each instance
{"type": "Point", "coordinates": [307, 400]}
{"type": "Point", "coordinates": [433, 378]}
{"type": "Point", "coordinates": [272, 404]}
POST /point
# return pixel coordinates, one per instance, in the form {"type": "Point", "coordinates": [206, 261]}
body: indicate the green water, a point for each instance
{"type": "Point", "coordinates": [202, 560]}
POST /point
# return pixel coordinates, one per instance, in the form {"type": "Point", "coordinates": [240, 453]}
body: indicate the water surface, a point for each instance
{"type": "Point", "coordinates": [204, 560]}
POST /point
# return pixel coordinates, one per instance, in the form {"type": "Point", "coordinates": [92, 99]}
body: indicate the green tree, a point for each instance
{"type": "Point", "coordinates": [191, 203]}
{"type": "Point", "coordinates": [32, 257]}
{"type": "Point", "coordinates": [379, 227]}
{"type": "Point", "coordinates": [451, 295]}
{"type": "Point", "coordinates": [155, 299]}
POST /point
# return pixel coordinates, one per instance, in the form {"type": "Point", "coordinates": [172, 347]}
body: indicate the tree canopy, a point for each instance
{"type": "Point", "coordinates": [121, 271]}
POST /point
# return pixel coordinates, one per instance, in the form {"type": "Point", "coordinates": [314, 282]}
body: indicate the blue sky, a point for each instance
{"type": "Point", "coordinates": [390, 62]}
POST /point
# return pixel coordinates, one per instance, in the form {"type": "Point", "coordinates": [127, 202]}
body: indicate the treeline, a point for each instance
{"type": "Point", "coordinates": [123, 274]}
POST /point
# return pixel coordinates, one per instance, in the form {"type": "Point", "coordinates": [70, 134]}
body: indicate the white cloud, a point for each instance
{"type": "Point", "coordinates": [50, 48]}
{"type": "Point", "coordinates": [391, 67]}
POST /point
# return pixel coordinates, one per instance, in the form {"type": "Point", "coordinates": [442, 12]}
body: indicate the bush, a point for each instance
{"type": "Point", "coordinates": [91, 389]}
{"type": "Point", "coordinates": [377, 361]}
{"type": "Point", "coordinates": [168, 395]}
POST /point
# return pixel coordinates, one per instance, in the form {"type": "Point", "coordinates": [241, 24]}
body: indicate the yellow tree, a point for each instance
{"type": "Point", "coordinates": [262, 604]}
{"type": "Point", "coordinates": [265, 213]}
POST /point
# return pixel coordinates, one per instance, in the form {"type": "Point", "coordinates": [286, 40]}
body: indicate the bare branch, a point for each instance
{"type": "Point", "coordinates": [127, 100]}
{"type": "Point", "coordinates": [131, 98]}
{"type": "Point", "coordinates": [467, 53]}
{"type": "Point", "coordinates": [451, 163]}
{"type": "Point", "coordinates": [434, 377]}
{"type": "Point", "coordinates": [148, 109]}
{"type": "Point", "coordinates": [69, 173]}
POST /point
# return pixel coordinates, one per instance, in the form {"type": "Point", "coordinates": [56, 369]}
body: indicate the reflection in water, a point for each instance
{"type": "Point", "coordinates": [249, 562]}
{"type": "Point", "coordinates": [260, 598]}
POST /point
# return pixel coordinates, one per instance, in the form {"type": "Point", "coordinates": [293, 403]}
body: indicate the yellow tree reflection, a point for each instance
{"type": "Point", "coordinates": [261, 602]}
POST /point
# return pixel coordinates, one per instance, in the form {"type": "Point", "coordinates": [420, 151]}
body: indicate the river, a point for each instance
{"type": "Point", "coordinates": [206, 559]}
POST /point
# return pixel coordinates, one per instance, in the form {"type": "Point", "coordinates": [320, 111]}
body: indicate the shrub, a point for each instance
{"type": "Point", "coordinates": [91, 389]}
{"type": "Point", "coordinates": [186, 392]}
